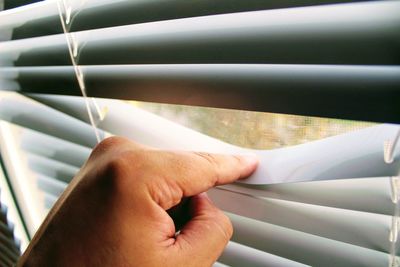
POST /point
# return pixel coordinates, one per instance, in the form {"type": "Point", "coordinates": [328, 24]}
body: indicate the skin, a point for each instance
{"type": "Point", "coordinates": [126, 204]}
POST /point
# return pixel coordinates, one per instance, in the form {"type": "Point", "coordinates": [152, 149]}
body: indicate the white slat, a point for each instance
{"type": "Point", "coordinates": [261, 36]}
{"type": "Point", "coordinates": [52, 147]}
{"type": "Point", "coordinates": [240, 78]}
{"type": "Point", "coordinates": [51, 168]}
{"type": "Point", "coordinates": [31, 114]}
{"type": "Point", "coordinates": [364, 229]}
{"type": "Point", "coordinates": [49, 200]}
{"type": "Point", "coordinates": [364, 194]}
{"type": "Point", "coordinates": [34, 19]}
{"type": "Point", "coordinates": [237, 255]}
{"type": "Point", "coordinates": [240, 86]}
{"type": "Point", "coordinates": [305, 248]}
{"type": "Point", "coordinates": [51, 186]}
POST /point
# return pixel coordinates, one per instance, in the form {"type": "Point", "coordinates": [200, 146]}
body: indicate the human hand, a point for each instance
{"type": "Point", "coordinates": [122, 209]}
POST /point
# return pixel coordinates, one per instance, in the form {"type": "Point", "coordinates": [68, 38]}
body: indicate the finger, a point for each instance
{"type": "Point", "coordinates": [205, 236]}
{"type": "Point", "coordinates": [187, 174]}
{"type": "Point", "coordinates": [169, 176]}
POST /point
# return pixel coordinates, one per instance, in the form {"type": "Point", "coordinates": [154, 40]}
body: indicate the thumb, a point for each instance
{"type": "Point", "coordinates": [205, 236]}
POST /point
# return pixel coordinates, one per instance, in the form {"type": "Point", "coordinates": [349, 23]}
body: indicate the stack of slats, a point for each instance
{"type": "Point", "coordinates": [10, 245]}
{"type": "Point", "coordinates": [345, 222]}
{"type": "Point", "coordinates": [301, 57]}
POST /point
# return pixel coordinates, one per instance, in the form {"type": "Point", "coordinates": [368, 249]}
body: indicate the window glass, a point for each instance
{"type": "Point", "coordinates": [258, 130]}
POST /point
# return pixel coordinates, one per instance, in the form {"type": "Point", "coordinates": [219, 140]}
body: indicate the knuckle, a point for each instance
{"type": "Point", "coordinates": [213, 164]}
{"type": "Point", "coordinates": [116, 166]}
{"type": "Point", "coordinates": [207, 156]}
{"type": "Point", "coordinates": [165, 193]}
{"type": "Point", "coordinates": [121, 167]}
{"type": "Point", "coordinates": [237, 159]}
{"type": "Point", "coordinates": [108, 144]}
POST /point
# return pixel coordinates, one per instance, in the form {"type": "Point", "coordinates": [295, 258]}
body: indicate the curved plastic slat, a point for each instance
{"type": "Point", "coordinates": [237, 255]}
{"type": "Point", "coordinates": [52, 186]}
{"type": "Point", "coordinates": [49, 200]}
{"type": "Point", "coordinates": [321, 90]}
{"type": "Point", "coordinates": [8, 248]}
{"type": "Point", "coordinates": [6, 230]}
{"type": "Point", "coordinates": [42, 18]}
{"type": "Point", "coordinates": [54, 148]}
{"type": "Point", "coordinates": [8, 260]}
{"type": "Point", "coordinates": [51, 168]}
{"type": "Point", "coordinates": [3, 212]}
{"type": "Point", "coordinates": [363, 194]}
{"type": "Point", "coordinates": [305, 248]}
{"type": "Point", "coordinates": [28, 113]}
{"type": "Point", "coordinates": [363, 229]}
{"type": "Point", "coordinates": [361, 33]}
{"type": "Point", "coordinates": [10, 243]}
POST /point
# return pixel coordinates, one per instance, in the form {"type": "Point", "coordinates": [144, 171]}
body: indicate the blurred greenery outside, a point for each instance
{"type": "Point", "coordinates": [250, 129]}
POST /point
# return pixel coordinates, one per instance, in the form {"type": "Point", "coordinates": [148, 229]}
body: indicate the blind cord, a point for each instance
{"type": "Point", "coordinates": [65, 10]}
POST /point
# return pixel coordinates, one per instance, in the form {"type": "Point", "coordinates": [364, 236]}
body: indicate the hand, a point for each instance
{"type": "Point", "coordinates": [122, 209]}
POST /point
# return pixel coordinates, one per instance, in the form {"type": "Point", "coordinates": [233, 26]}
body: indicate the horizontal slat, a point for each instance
{"type": "Point", "coordinates": [350, 92]}
{"type": "Point", "coordinates": [5, 258]}
{"type": "Point", "coordinates": [362, 194]}
{"type": "Point", "coordinates": [50, 185]}
{"type": "Point", "coordinates": [51, 168]}
{"type": "Point", "coordinates": [360, 33]}
{"type": "Point", "coordinates": [49, 200]}
{"type": "Point", "coordinates": [22, 180]}
{"type": "Point", "coordinates": [306, 248]}
{"type": "Point", "coordinates": [358, 228]}
{"type": "Point", "coordinates": [4, 263]}
{"type": "Point", "coordinates": [6, 229]}
{"type": "Point", "coordinates": [54, 148]}
{"type": "Point", "coordinates": [12, 256]}
{"type": "Point", "coordinates": [3, 212]}
{"type": "Point", "coordinates": [8, 232]}
{"type": "Point", "coordinates": [28, 113]}
{"type": "Point", "coordinates": [43, 19]}
{"type": "Point", "coordinates": [10, 246]}
{"type": "Point", "coordinates": [237, 255]}
{"type": "Point", "coordinates": [310, 161]}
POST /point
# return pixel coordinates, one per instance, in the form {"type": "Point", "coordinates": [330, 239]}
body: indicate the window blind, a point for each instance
{"type": "Point", "coordinates": [324, 58]}
{"type": "Point", "coordinates": [320, 220]}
